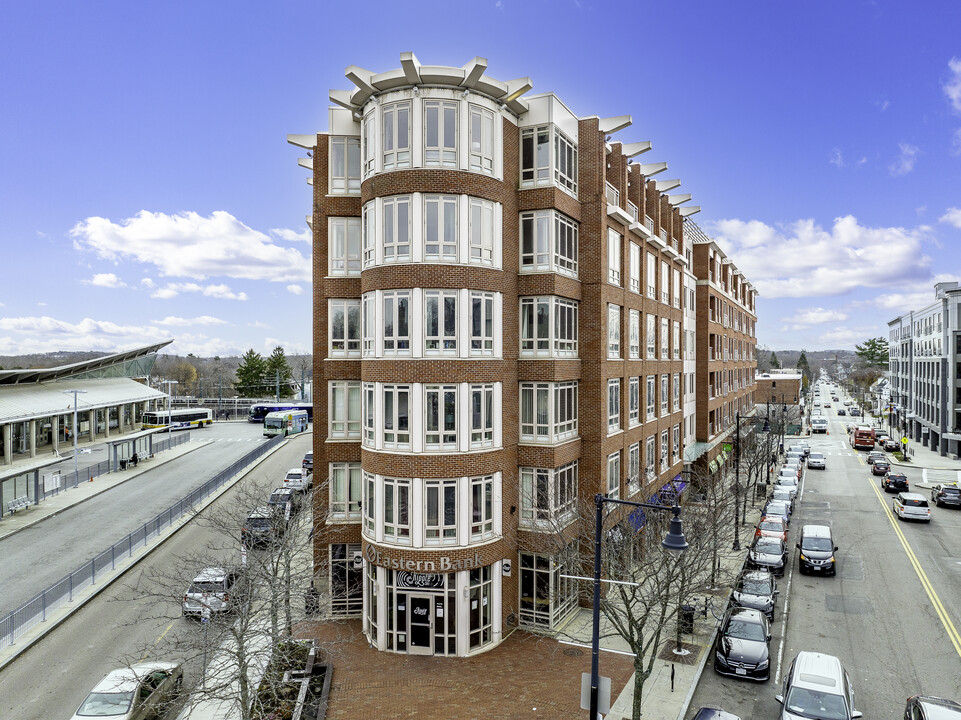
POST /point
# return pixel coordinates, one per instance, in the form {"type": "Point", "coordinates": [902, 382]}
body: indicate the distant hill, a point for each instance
{"type": "Point", "coordinates": [817, 359]}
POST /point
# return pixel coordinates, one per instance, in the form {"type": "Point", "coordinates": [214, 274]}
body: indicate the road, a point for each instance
{"type": "Point", "coordinates": [51, 679]}
{"type": "Point", "coordinates": [55, 547]}
{"type": "Point", "coordinates": [892, 612]}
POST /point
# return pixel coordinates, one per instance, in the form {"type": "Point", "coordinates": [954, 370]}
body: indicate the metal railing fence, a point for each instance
{"type": "Point", "coordinates": [15, 623]}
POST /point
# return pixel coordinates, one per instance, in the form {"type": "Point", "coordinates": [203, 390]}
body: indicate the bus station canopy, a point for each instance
{"type": "Point", "coordinates": [39, 400]}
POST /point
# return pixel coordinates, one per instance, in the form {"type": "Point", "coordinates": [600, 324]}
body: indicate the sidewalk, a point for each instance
{"type": "Point", "coordinates": [66, 499]}
{"type": "Point", "coordinates": [526, 676]}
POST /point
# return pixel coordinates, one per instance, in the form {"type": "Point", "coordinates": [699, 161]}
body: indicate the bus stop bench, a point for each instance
{"type": "Point", "coordinates": [20, 503]}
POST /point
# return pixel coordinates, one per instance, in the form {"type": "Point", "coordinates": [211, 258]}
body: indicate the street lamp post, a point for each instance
{"type": "Point", "coordinates": [168, 383]}
{"type": "Point", "coordinates": [76, 463]}
{"type": "Point", "coordinates": [674, 540]}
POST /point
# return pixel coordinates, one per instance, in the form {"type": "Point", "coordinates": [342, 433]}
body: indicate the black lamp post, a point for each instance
{"type": "Point", "coordinates": [674, 540]}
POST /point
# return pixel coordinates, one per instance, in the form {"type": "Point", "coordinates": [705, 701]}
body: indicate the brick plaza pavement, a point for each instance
{"type": "Point", "coordinates": [526, 676]}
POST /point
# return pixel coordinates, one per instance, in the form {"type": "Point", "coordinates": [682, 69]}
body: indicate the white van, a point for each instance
{"type": "Point", "coordinates": [819, 425]}
{"type": "Point", "coordinates": [817, 687]}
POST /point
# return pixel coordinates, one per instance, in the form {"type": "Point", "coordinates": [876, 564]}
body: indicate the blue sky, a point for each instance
{"type": "Point", "coordinates": [147, 190]}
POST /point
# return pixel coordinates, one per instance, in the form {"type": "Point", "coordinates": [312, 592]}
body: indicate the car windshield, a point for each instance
{"type": "Point", "coordinates": [768, 547]}
{"type": "Point", "coordinates": [771, 524]}
{"type": "Point", "coordinates": [259, 523]}
{"type": "Point", "coordinates": [295, 475]}
{"type": "Point", "coordinates": [206, 587]}
{"type": "Point", "coordinates": [896, 478]}
{"type": "Point", "coordinates": [816, 456]}
{"type": "Point", "coordinates": [781, 495]}
{"type": "Point", "coordinates": [278, 498]}
{"type": "Point", "coordinates": [755, 586]}
{"type": "Point", "coordinates": [744, 630]}
{"type": "Point", "coordinates": [106, 704]}
{"type": "Point", "coordinates": [776, 508]}
{"type": "Point", "coordinates": [816, 544]}
{"type": "Point", "coordinates": [815, 704]}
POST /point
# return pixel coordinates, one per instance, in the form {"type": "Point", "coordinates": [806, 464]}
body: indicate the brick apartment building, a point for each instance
{"type": "Point", "coordinates": [499, 294]}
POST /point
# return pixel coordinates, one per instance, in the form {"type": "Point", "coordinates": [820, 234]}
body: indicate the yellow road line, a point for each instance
{"type": "Point", "coordinates": [159, 638]}
{"type": "Point", "coordinates": [922, 576]}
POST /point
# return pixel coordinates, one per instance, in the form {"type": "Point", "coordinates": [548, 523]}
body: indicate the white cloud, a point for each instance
{"type": "Point", "coordinates": [221, 292]}
{"type": "Point", "coordinates": [295, 290]}
{"type": "Point", "coordinates": [39, 334]}
{"type": "Point", "coordinates": [884, 104]}
{"type": "Point", "coordinates": [952, 88]}
{"type": "Point", "coordinates": [107, 280]}
{"type": "Point", "coordinates": [147, 282]}
{"type": "Point", "coordinates": [807, 317]}
{"type": "Point", "coordinates": [258, 324]}
{"type": "Point", "coordinates": [836, 159]}
{"type": "Point", "coordinates": [304, 236]}
{"type": "Point", "coordinates": [956, 142]}
{"type": "Point", "coordinates": [806, 260]}
{"type": "Point", "coordinates": [173, 321]}
{"type": "Point", "coordinates": [189, 245]}
{"type": "Point", "coordinates": [908, 155]}
{"type": "Point", "coordinates": [952, 216]}
{"type": "Point", "coordinates": [903, 301]}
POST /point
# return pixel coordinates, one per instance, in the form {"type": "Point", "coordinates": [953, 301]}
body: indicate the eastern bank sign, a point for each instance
{"type": "Point", "coordinates": [443, 563]}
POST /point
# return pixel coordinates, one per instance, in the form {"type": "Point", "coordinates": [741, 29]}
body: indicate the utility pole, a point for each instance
{"type": "Point", "coordinates": [277, 385]}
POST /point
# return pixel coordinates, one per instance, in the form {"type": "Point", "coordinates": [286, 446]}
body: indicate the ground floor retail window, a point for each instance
{"type": "Point", "coordinates": [481, 605]}
{"type": "Point", "coordinates": [346, 580]}
{"type": "Point", "coordinates": [546, 598]}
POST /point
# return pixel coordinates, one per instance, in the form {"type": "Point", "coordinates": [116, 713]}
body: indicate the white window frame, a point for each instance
{"type": "Point", "coordinates": [369, 143]}
{"type": "Point", "coordinates": [664, 453]}
{"type": "Point", "coordinates": [614, 475]}
{"type": "Point", "coordinates": [344, 246]}
{"type": "Point", "coordinates": [395, 144]}
{"type": "Point", "coordinates": [441, 531]}
{"type": "Point", "coordinates": [665, 282]}
{"type": "Point", "coordinates": [481, 232]}
{"type": "Point", "coordinates": [676, 391]}
{"type": "Point", "coordinates": [676, 288]}
{"type": "Point", "coordinates": [346, 490]}
{"type": "Point", "coordinates": [444, 225]}
{"type": "Point", "coordinates": [444, 113]}
{"type": "Point", "coordinates": [441, 339]}
{"type": "Point", "coordinates": [345, 409]}
{"type": "Point", "coordinates": [482, 138]}
{"type": "Point", "coordinates": [441, 430]}
{"type": "Point", "coordinates": [676, 444]}
{"type": "Point", "coordinates": [665, 338]}
{"type": "Point", "coordinates": [548, 242]}
{"type": "Point", "coordinates": [650, 398]}
{"type": "Point", "coordinates": [369, 233]}
{"type": "Point", "coordinates": [650, 457]}
{"type": "Point", "coordinates": [665, 389]}
{"type": "Point", "coordinates": [396, 435]}
{"type": "Point", "coordinates": [539, 173]}
{"type": "Point", "coordinates": [482, 415]}
{"type": "Point", "coordinates": [396, 343]}
{"type": "Point", "coordinates": [341, 180]}
{"type": "Point", "coordinates": [397, 512]}
{"type": "Point", "coordinates": [548, 496]}
{"type": "Point", "coordinates": [633, 401]}
{"type": "Point", "coordinates": [614, 257]}
{"type": "Point", "coordinates": [565, 162]}
{"type": "Point", "coordinates": [613, 405]}
{"type": "Point", "coordinates": [369, 411]}
{"type": "Point", "coordinates": [481, 323]}
{"type": "Point", "coordinates": [481, 507]}
{"type": "Point", "coordinates": [368, 331]}
{"type": "Point", "coordinates": [635, 259]}
{"type": "Point", "coordinates": [346, 345]}
{"type": "Point", "coordinates": [651, 339]}
{"type": "Point", "coordinates": [676, 345]}
{"type": "Point", "coordinates": [634, 335]}
{"type": "Point", "coordinates": [651, 276]}
{"type": "Point", "coordinates": [613, 331]}
{"type": "Point", "coordinates": [559, 403]}
{"type": "Point", "coordinates": [548, 326]}
{"type": "Point", "coordinates": [634, 469]}
{"type": "Point", "coordinates": [396, 232]}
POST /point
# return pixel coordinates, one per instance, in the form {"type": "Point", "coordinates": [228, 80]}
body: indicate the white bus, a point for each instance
{"type": "Point", "coordinates": [285, 422]}
{"type": "Point", "coordinates": [178, 419]}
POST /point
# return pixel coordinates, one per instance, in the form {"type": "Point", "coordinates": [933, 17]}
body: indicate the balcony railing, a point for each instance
{"type": "Point", "coordinates": [632, 210]}
{"type": "Point", "coordinates": [649, 224]}
{"type": "Point", "coordinates": [613, 196]}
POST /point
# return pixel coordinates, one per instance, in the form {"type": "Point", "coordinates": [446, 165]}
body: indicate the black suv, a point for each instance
{"type": "Point", "coordinates": [895, 482]}
{"type": "Point", "coordinates": [262, 527]}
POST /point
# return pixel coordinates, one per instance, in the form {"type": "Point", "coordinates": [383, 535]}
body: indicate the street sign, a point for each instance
{"type": "Point", "coordinates": [603, 693]}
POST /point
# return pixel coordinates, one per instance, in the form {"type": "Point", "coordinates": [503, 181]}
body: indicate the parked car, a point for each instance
{"type": "Point", "coordinates": [783, 493]}
{"type": "Point", "coordinates": [279, 497]}
{"type": "Point", "coordinates": [946, 494]}
{"type": "Point", "coordinates": [854, 412]}
{"type": "Point", "coordinates": [848, 402]}
{"type": "Point", "coordinates": [875, 455]}
{"type": "Point", "coordinates": [211, 588]}
{"type": "Point", "coordinates": [768, 554]}
{"type": "Point", "coordinates": [842, 411]}
{"type": "Point", "coordinates": [817, 688]}
{"type": "Point", "coordinates": [890, 445]}
{"type": "Point", "coordinates": [816, 550]}
{"type": "Point", "coordinates": [787, 474]}
{"type": "Point", "coordinates": [925, 707]}
{"type": "Point", "coordinates": [881, 438]}
{"type": "Point", "coordinates": [795, 456]}
{"type": "Point", "coordinates": [776, 508]}
{"type": "Point", "coordinates": [911, 506]}
{"type": "Point", "coordinates": [262, 526]}
{"type": "Point", "coordinates": [807, 447]}
{"type": "Point", "coordinates": [788, 485]}
{"type": "Point", "coordinates": [772, 526]}
{"type": "Point", "coordinates": [880, 467]}
{"type": "Point", "coordinates": [756, 589]}
{"type": "Point", "coordinates": [308, 462]}
{"type": "Point", "coordinates": [297, 479]}
{"type": "Point", "coordinates": [895, 482]}
{"type": "Point", "coordinates": [709, 713]}
{"type": "Point", "coordinates": [742, 648]}
{"type": "Point", "coordinates": [137, 692]}
{"type": "Point", "coordinates": [816, 461]}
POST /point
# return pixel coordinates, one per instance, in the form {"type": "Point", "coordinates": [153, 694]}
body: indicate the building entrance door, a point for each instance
{"type": "Point", "coordinates": [420, 625]}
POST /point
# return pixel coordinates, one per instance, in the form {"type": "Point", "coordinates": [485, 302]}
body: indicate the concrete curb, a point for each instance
{"type": "Point", "coordinates": [702, 663]}
{"type": "Point", "coordinates": [30, 638]}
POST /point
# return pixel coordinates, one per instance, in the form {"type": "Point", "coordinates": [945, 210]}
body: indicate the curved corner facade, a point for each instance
{"type": "Point", "coordinates": [498, 311]}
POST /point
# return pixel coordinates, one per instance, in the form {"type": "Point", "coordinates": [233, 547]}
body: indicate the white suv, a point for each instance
{"type": "Point", "coordinates": [911, 506]}
{"type": "Point", "coordinates": [297, 479]}
{"type": "Point", "coordinates": [210, 589]}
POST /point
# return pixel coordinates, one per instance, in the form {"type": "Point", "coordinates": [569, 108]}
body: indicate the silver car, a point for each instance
{"type": "Point", "coordinates": [816, 461]}
{"type": "Point", "coordinates": [209, 590]}
{"type": "Point", "coordinates": [138, 692]}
